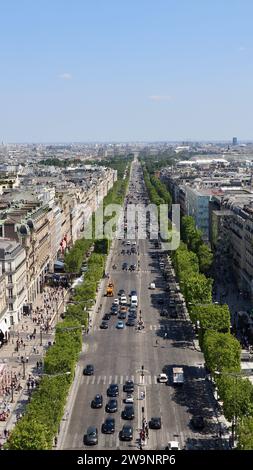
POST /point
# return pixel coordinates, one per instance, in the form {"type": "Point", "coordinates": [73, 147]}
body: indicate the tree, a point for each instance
{"type": "Point", "coordinates": [237, 395]}
{"type": "Point", "coordinates": [222, 351]}
{"type": "Point", "coordinates": [28, 435]}
{"type": "Point", "coordinates": [245, 434]}
{"type": "Point", "coordinates": [212, 317]}
{"type": "Point", "coordinates": [205, 257]}
{"type": "Point", "coordinates": [197, 289]}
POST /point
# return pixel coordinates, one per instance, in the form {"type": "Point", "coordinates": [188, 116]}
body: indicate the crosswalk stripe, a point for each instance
{"type": "Point", "coordinates": [146, 380]}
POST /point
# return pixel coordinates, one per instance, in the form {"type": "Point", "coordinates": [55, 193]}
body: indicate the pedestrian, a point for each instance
{"type": "Point", "coordinates": [5, 433]}
{"type": "Point", "coordinates": [27, 358]}
{"type": "Point", "coordinates": [34, 349]}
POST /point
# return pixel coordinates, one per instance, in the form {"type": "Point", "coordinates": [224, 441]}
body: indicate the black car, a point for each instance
{"type": "Point", "coordinates": [97, 401]}
{"type": "Point", "coordinates": [124, 266]}
{"type": "Point", "coordinates": [106, 316]}
{"type": "Point", "coordinates": [112, 406]}
{"type": "Point", "coordinates": [88, 370]}
{"type": "Point", "coordinates": [198, 423]}
{"type": "Point", "coordinates": [91, 437]}
{"type": "Point", "coordinates": [121, 292]}
{"type": "Point", "coordinates": [128, 386]}
{"type": "Point", "coordinates": [130, 322]}
{"type": "Point", "coordinates": [113, 390]}
{"type": "Point", "coordinates": [108, 427]}
{"type": "Point", "coordinates": [133, 292]}
{"type": "Point", "coordinates": [128, 412]}
{"type": "Point", "coordinates": [155, 423]}
{"type": "Point", "coordinates": [104, 325]}
{"type": "Point", "coordinates": [132, 315]}
{"type": "Point", "coordinates": [126, 433]}
{"type": "Point", "coordinates": [122, 315]}
{"type": "Point", "coordinates": [114, 309]}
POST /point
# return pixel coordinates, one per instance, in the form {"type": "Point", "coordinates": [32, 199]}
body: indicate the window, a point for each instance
{"type": "Point", "coordinates": [11, 307]}
{"type": "Point", "coordinates": [10, 278]}
{"type": "Point", "coordinates": [10, 293]}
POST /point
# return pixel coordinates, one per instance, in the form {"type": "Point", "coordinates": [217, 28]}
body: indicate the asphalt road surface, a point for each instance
{"type": "Point", "coordinates": [120, 354]}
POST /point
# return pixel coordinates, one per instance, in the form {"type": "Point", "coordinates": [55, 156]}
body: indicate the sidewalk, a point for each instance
{"type": "Point", "coordinates": [32, 347]}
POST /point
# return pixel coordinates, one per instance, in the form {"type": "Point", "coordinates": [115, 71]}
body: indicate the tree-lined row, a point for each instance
{"type": "Point", "coordinates": [221, 350]}
{"type": "Point", "coordinates": [193, 239]}
{"type": "Point", "coordinates": [39, 425]}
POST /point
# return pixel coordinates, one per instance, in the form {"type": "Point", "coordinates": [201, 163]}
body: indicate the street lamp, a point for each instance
{"type": "Point", "coordinates": [23, 360]}
{"type": "Point", "coordinates": [41, 336]}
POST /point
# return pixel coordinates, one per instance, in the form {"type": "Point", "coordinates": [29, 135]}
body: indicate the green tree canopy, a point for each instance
{"type": "Point", "coordinates": [222, 351]}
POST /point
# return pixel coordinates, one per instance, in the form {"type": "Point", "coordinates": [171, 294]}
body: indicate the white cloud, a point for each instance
{"type": "Point", "coordinates": [160, 98]}
{"type": "Point", "coordinates": [241, 48]}
{"type": "Point", "coordinates": [65, 76]}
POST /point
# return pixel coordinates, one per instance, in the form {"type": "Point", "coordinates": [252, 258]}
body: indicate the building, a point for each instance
{"type": "Point", "coordinates": [13, 265]}
{"type": "Point", "coordinates": [234, 141]}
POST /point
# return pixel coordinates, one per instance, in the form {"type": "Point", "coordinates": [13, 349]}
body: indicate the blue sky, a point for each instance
{"type": "Point", "coordinates": [125, 70]}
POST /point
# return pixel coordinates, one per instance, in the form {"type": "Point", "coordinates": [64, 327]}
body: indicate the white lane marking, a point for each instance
{"type": "Point", "coordinates": [116, 379]}
{"type": "Point", "coordinates": [99, 378]}
{"type": "Point", "coordinates": [110, 379]}
{"type": "Point", "coordinates": [93, 380]}
{"type": "Point", "coordinates": [121, 379]}
{"type": "Point", "coordinates": [88, 380]}
{"type": "Point", "coordinates": [104, 380]}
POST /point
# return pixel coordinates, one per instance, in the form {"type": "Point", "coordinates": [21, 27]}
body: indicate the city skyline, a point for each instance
{"type": "Point", "coordinates": [146, 72]}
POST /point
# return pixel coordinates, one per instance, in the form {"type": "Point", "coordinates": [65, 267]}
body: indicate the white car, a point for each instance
{"type": "Point", "coordinates": [162, 378]}
{"type": "Point", "coordinates": [128, 242]}
{"type": "Point", "coordinates": [134, 243]}
{"type": "Point", "coordinates": [129, 399]}
{"type": "Point", "coordinates": [116, 302]}
{"type": "Point", "coordinates": [173, 445]}
{"type": "Point", "coordinates": [123, 300]}
{"type": "Point", "coordinates": [152, 285]}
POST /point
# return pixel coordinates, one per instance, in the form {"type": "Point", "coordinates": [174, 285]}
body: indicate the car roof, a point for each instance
{"type": "Point", "coordinates": [91, 429]}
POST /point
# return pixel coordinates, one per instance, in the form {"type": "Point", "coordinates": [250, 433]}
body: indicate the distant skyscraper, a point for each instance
{"type": "Point", "coordinates": [235, 141]}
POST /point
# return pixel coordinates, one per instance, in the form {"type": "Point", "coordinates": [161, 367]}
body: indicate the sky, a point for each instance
{"type": "Point", "coordinates": [126, 70]}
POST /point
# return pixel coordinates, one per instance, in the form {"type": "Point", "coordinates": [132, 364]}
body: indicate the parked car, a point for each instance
{"type": "Point", "coordinates": [97, 401]}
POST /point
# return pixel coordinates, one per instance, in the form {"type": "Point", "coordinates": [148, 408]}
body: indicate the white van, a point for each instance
{"type": "Point", "coordinates": [134, 301]}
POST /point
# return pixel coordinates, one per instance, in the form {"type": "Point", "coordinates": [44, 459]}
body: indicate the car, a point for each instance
{"type": "Point", "coordinates": [133, 292]}
{"type": "Point", "coordinates": [130, 322]}
{"type": "Point", "coordinates": [132, 315]}
{"type": "Point", "coordinates": [122, 315]}
{"type": "Point", "coordinates": [120, 325]}
{"type": "Point", "coordinates": [128, 412]}
{"type": "Point", "coordinates": [129, 399]}
{"type": "Point", "coordinates": [123, 308]}
{"type": "Point", "coordinates": [121, 292]}
{"type": "Point", "coordinates": [113, 390]}
{"type": "Point", "coordinates": [106, 316]}
{"type": "Point", "coordinates": [114, 309]}
{"type": "Point", "coordinates": [128, 242]}
{"type": "Point", "coordinates": [172, 445]}
{"type": "Point", "coordinates": [160, 301]}
{"type": "Point", "coordinates": [123, 300]}
{"type": "Point", "coordinates": [97, 401]}
{"type": "Point", "coordinates": [128, 386]}
{"type": "Point", "coordinates": [91, 437]}
{"type": "Point", "coordinates": [111, 406]}
{"type": "Point", "coordinates": [88, 370]}
{"type": "Point", "coordinates": [198, 423]}
{"type": "Point", "coordinates": [103, 325]}
{"type": "Point", "coordinates": [132, 267]}
{"type": "Point", "coordinates": [124, 266]}
{"type": "Point", "coordinates": [134, 243]}
{"type": "Point", "coordinates": [108, 426]}
{"type": "Point", "coordinates": [132, 309]}
{"type": "Point", "coordinates": [126, 433]}
{"type": "Point", "coordinates": [152, 285]}
{"type": "Point", "coordinates": [162, 378]}
{"type": "Point", "coordinates": [155, 423]}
